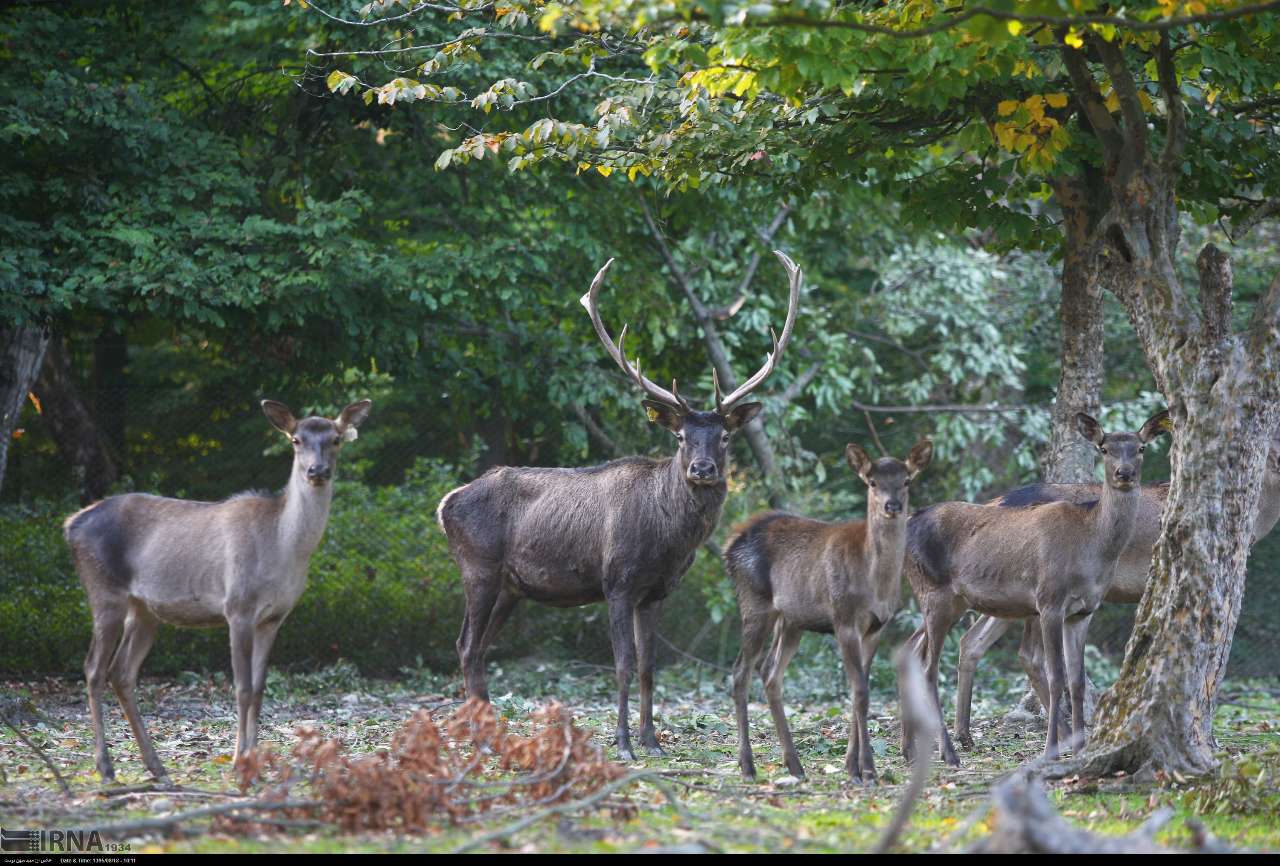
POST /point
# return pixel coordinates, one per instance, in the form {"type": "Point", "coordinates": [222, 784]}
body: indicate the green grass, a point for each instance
{"type": "Point", "coordinates": [191, 718]}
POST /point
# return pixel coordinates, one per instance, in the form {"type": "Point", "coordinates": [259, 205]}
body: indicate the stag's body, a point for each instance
{"type": "Point", "coordinates": [623, 533]}
{"type": "Point", "coordinates": [1054, 560]}
{"type": "Point", "coordinates": [795, 574]}
{"type": "Point", "coordinates": [1128, 584]}
{"type": "Point", "coordinates": [242, 562]}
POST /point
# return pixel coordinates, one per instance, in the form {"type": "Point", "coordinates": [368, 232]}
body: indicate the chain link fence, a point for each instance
{"type": "Point", "coordinates": [383, 589]}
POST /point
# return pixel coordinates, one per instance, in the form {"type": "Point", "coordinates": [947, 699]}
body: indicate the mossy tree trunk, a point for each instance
{"type": "Point", "coordinates": [22, 349]}
{"type": "Point", "coordinates": [1222, 389]}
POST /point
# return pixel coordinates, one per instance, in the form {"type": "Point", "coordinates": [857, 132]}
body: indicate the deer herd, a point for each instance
{"type": "Point", "coordinates": [625, 532]}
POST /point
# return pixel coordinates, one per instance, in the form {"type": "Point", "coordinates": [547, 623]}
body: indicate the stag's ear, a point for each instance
{"type": "Point", "coordinates": [1090, 429]}
{"type": "Point", "coordinates": [918, 459]}
{"type": "Point", "coordinates": [859, 461]}
{"type": "Point", "coordinates": [1156, 424]}
{"type": "Point", "coordinates": [740, 416]}
{"type": "Point", "coordinates": [352, 417]}
{"type": "Point", "coordinates": [279, 416]}
{"type": "Point", "coordinates": [661, 413]}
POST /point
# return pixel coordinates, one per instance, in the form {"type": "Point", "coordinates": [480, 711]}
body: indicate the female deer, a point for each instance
{"type": "Point", "coordinates": [793, 574]}
{"type": "Point", "coordinates": [144, 560]}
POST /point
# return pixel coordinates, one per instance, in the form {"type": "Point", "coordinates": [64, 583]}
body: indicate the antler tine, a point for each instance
{"type": "Point", "coordinates": [676, 393]}
{"type": "Point", "coordinates": [616, 351]}
{"type": "Point", "coordinates": [715, 385]}
{"type": "Point", "coordinates": [795, 277]}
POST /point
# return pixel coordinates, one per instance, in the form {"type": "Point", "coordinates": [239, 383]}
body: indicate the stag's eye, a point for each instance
{"type": "Point", "coordinates": [871, 484]}
{"type": "Point", "coordinates": [1102, 450]}
{"type": "Point", "coordinates": [295, 440]}
{"type": "Point", "coordinates": [679, 437]}
{"type": "Point", "coordinates": [1142, 448]}
{"type": "Point", "coordinates": [337, 440]}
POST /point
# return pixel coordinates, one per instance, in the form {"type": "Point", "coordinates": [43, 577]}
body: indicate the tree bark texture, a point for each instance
{"type": "Point", "coordinates": [1222, 390]}
{"type": "Point", "coordinates": [22, 349]}
{"type": "Point", "coordinates": [81, 441]}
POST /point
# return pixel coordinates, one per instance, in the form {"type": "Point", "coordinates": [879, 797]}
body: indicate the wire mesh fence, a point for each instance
{"type": "Point", "coordinates": [383, 589]}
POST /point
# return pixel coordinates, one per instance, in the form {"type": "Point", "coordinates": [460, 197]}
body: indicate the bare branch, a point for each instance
{"type": "Point", "coordinates": [921, 722]}
{"type": "Point", "coordinates": [62, 783]}
{"type": "Point", "coordinates": [595, 431]}
{"type": "Point", "coordinates": [935, 408]}
{"type": "Point", "coordinates": [1091, 101]}
{"type": "Point", "coordinates": [871, 425]}
{"type": "Point", "coordinates": [799, 383]}
{"type": "Point", "coordinates": [1263, 210]}
{"type": "Point", "coordinates": [1126, 90]}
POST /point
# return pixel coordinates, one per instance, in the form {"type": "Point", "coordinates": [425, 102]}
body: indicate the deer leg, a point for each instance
{"type": "Point", "coordinates": [622, 635]}
{"type": "Point", "coordinates": [756, 625]}
{"type": "Point", "coordinates": [646, 624]}
{"type": "Point", "coordinates": [264, 636]}
{"type": "Point", "coordinates": [1032, 657]}
{"type": "Point", "coordinates": [139, 635]}
{"type": "Point", "coordinates": [498, 618]}
{"type": "Point", "coordinates": [937, 624]}
{"type": "Point", "coordinates": [870, 643]}
{"type": "Point", "coordinates": [786, 641]}
{"type": "Point", "coordinates": [980, 637]}
{"type": "Point", "coordinates": [850, 642]}
{"type": "Point", "coordinates": [482, 589]}
{"type": "Point", "coordinates": [242, 629]}
{"type": "Point", "coordinates": [1051, 628]}
{"type": "Point", "coordinates": [1077, 630]}
{"type": "Point", "coordinates": [108, 624]}
{"type": "Point", "coordinates": [918, 643]}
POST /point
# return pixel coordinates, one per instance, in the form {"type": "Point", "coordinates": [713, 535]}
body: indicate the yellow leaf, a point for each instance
{"type": "Point", "coordinates": [222, 759]}
{"type": "Point", "coordinates": [1073, 39]}
{"type": "Point", "coordinates": [1015, 27]}
{"type": "Point", "coordinates": [1035, 105]}
{"type": "Point", "coordinates": [604, 170]}
{"type": "Point", "coordinates": [1056, 100]}
{"type": "Point", "coordinates": [1147, 104]}
{"type": "Point", "coordinates": [1007, 107]}
{"type": "Point", "coordinates": [1113, 102]}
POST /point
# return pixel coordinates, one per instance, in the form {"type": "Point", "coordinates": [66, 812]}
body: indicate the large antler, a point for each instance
{"type": "Point", "coordinates": [795, 276]}
{"type": "Point", "coordinates": [671, 398]}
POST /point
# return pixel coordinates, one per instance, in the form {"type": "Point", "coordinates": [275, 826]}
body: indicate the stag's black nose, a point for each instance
{"type": "Point", "coordinates": [703, 469]}
{"type": "Point", "coordinates": [318, 473]}
{"type": "Point", "coordinates": [893, 507]}
{"type": "Point", "coordinates": [1125, 474]}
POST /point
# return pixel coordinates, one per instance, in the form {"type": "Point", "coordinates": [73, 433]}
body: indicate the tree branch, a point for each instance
{"type": "Point", "coordinates": [1095, 110]}
{"type": "Point", "coordinates": [1135, 119]}
{"type": "Point", "coordinates": [1214, 267]}
{"type": "Point", "coordinates": [1176, 129]}
{"type": "Point", "coordinates": [595, 431]}
{"type": "Point", "coordinates": [1246, 223]}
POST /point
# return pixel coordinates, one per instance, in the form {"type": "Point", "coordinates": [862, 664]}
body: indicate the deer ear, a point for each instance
{"type": "Point", "coordinates": [660, 413]}
{"type": "Point", "coordinates": [859, 461]}
{"type": "Point", "coordinates": [352, 417]}
{"type": "Point", "coordinates": [1089, 428]}
{"type": "Point", "coordinates": [920, 456]}
{"type": "Point", "coordinates": [741, 415]}
{"type": "Point", "coordinates": [279, 416]}
{"type": "Point", "coordinates": [1156, 424]}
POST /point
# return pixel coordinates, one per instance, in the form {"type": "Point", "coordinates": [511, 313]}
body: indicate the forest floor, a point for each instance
{"type": "Point", "coordinates": [699, 804]}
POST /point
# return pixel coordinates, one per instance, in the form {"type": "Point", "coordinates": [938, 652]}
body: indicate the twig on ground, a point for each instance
{"type": "Point", "coordinates": [921, 721]}
{"type": "Point", "coordinates": [168, 822]}
{"type": "Point", "coordinates": [62, 783]}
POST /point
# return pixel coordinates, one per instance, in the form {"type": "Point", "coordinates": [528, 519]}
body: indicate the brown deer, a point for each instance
{"type": "Point", "coordinates": [1130, 578]}
{"type": "Point", "coordinates": [623, 533]}
{"type": "Point", "coordinates": [793, 574]}
{"type": "Point", "coordinates": [144, 560]}
{"type": "Point", "coordinates": [1055, 560]}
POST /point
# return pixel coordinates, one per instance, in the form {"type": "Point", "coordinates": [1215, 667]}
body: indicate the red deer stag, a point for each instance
{"type": "Point", "coordinates": [144, 560]}
{"type": "Point", "coordinates": [793, 574]}
{"type": "Point", "coordinates": [623, 533]}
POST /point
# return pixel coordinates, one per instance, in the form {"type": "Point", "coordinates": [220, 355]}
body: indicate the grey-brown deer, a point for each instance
{"type": "Point", "coordinates": [144, 560]}
{"type": "Point", "coordinates": [794, 574]}
{"type": "Point", "coordinates": [1055, 560]}
{"type": "Point", "coordinates": [1130, 577]}
{"type": "Point", "coordinates": [623, 533]}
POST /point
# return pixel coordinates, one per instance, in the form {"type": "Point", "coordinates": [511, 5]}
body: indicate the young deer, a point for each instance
{"type": "Point", "coordinates": [1055, 560]}
{"type": "Point", "coordinates": [1127, 588]}
{"type": "Point", "coordinates": [623, 533]}
{"type": "Point", "coordinates": [144, 560]}
{"type": "Point", "coordinates": [793, 574]}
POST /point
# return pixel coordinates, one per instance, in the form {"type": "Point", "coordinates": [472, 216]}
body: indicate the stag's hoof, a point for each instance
{"type": "Point", "coordinates": [655, 751]}
{"type": "Point", "coordinates": [625, 754]}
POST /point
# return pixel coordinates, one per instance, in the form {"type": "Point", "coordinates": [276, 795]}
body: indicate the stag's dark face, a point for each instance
{"type": "Point", "coordinates": [1122, 452]}
{"type": "Point", "coordinates": [704, 438]}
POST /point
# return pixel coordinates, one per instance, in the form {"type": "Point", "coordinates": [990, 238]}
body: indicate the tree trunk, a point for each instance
{"type": "Point", "coordinates": [80, 439]}
{"type": "Point", "coordinates": [1070, 459]}
{"type": "Point", "coordinates": [22, 349]}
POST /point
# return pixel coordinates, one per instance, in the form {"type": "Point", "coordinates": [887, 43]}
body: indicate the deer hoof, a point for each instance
{"type": "Point", "coordinates": [625, 754]}
{"type": "Point", "coordinates": [965, 741]}
{"type": "Point", "coordinates": [655, 751]}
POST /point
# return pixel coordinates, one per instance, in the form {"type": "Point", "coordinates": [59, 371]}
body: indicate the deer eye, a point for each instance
{"type": "Point", "coordinates": [871, 484]}
{"type": "Point", "coordinates": [1102, 450]}
{"type": "Point", "coordinates": [679, 437]}
{"type": "Point", "coordinates": [337, 440]}
{"type": "Point", "coordinates": [295, 440]}
{"type": "Point", "coordinates": [1142, 448]}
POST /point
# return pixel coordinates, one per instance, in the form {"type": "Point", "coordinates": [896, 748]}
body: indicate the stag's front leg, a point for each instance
{"type": "Point", "coordinates": [646, 626]}
{"type": "Point", "coordinates": [622, 635]}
